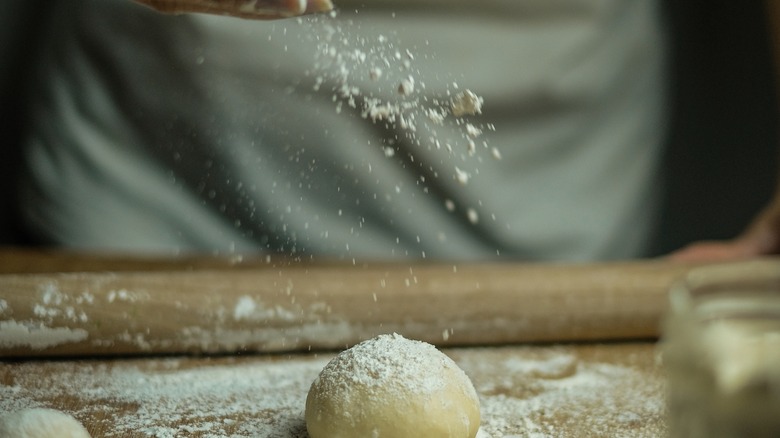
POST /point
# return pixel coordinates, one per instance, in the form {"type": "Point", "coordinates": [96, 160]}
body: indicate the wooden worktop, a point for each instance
{"type": "Point", "coordinates": [583, 390]}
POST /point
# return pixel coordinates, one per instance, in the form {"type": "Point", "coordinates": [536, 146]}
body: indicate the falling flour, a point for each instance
{"type": "Point", "coordinates": [345, 58]}
{"type": "Point", "coordinates": [466, 103]}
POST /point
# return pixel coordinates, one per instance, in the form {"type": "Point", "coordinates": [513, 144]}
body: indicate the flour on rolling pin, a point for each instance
{"type": "Point", "coordinates": [523, 391]}
{"type": "Point", "coordinates": [56, 318]}
{"type": "Point", "coordinates": [77, 313]}
{"type": "Point", "coordinates": [38, 333]}
{"type": "Point", "coordinates": [304, 308]}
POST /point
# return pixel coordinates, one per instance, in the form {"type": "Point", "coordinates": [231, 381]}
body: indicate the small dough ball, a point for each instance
{"type": "Point", "coordinates": [392, 387]}
{"type": "Point", "coordinates": [40, 423]}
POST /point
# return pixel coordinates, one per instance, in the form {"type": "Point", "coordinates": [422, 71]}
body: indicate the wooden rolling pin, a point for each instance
{"type": "Point", "coordinates": [294, 308]}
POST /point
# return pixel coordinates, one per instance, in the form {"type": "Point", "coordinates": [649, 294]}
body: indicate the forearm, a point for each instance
{"type": "Point", "coordinates": [255, 9]}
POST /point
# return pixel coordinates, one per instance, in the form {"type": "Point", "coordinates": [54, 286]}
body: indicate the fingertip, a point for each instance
{"type": "Point", "coordinates": [318, 6]}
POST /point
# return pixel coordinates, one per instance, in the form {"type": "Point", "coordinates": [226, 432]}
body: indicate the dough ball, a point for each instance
{"type": "Point", "coordinates": [392, 387]}
{"type": "Point", "coordinates": [40, 423]}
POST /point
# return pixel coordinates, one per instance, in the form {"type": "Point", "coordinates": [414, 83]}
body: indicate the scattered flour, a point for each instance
{"type": "Point", "coordinates": [523, 391]}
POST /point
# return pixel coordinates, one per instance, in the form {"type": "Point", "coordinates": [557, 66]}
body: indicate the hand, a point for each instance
{"type": "Point", "coordinates": [761, 238]}
{"type": "Point", "coordinates": [257, 9]}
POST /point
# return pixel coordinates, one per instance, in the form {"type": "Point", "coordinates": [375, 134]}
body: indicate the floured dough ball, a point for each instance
{"type": "Point", "coordinates": [40, 423]}
{"type": "Point", "coordinates": [392, 387]}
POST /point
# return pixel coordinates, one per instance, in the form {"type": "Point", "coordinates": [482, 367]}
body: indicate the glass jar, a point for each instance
{"type": "Point", "coordinates": [721, 352]}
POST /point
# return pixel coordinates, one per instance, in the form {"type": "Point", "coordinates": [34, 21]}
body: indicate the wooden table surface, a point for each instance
{"type": "Point", "coordinates": [578, 389]}
{"type": "Point", "coordinates": [583, 390]}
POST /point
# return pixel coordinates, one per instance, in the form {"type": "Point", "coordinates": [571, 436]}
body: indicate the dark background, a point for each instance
{"type": "Point", "coordinates": [722, 149]}
{"type": "Point", "coordinates": [20, 22]}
